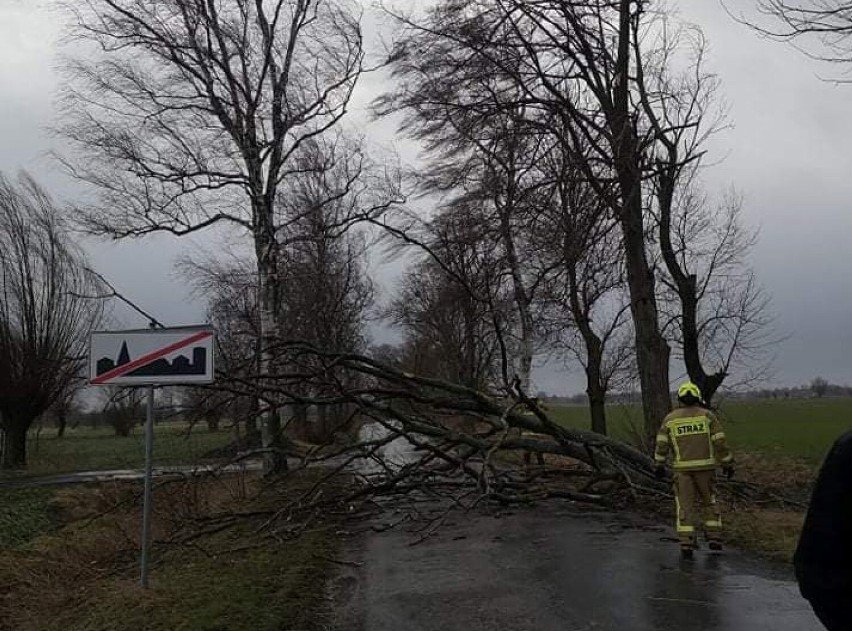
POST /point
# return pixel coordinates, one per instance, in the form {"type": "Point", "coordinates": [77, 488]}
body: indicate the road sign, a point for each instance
{"type": "Point", "coordinates": [151, 356]}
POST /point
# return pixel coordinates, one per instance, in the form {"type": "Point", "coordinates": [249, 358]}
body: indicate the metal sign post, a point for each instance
{"type": "Point", "coordinates": [149, 469]}
{"type": "Point", "coordinates": [151, 357]}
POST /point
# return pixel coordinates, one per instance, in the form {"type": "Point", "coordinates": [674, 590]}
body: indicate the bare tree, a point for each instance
{"type": "Point", "coordinates": [189, 113]}
{"type": "Point", "coordinates": [324, 291]}
{"type": "Point", "coordinates": [67, 405]}
{"type": "Point", "coordinates": [483, 158]}
{"type": "Point", "coordinates": [579, 60]}
{"type": "Point", "coordinates": [449, 333]}
{"type": "Point", "coordinates": [123, 408]}
{"type": "Point", "coordinates": [681, 123]}
{"type": "Point", "coordinates": [228, 284]}
{"type": "Point", "coordinates": [45, 316]}
{"type": "Point", "coordinates": [720, 315]}
{"type": "Point", "coordinates": [587, 295]}
{"type": "Point", "coordinates": [822, 28]}
{"type": "Point", "coordinates": [819, 386]}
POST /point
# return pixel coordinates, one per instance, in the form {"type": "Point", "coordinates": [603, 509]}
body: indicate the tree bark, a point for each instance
{"type": "Point", "coordinates": [595, 389]}
{"type": "Point", "coordinates": [521, 297]}
{"type": "Point", "coordinates": [267, 266]}
{"type": "Point", "coordinates": [652, 350]}
{"type": "Point", "coordinates": [597, 409]}
{"type": "Point", "coordinates": [15, 443]}
{"type": "Point", "coordinates": [270, 421]}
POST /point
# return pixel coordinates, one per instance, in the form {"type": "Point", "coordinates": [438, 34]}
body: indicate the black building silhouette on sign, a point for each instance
{"type": "Point", "coordinates": [179, 366]}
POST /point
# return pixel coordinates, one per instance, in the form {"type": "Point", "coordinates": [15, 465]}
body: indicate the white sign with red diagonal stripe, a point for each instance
{"type": "Point", "coordinates": [151, 356]}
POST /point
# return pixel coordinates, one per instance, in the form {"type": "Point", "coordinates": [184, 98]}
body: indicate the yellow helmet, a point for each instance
{"type": "Point", "coordinates": [688, 388]}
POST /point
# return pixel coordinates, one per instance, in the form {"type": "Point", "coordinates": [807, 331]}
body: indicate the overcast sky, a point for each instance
{"type": "Point", "coordinates": [789, 154]}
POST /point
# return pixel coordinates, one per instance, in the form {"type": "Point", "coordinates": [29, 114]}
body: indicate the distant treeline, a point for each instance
{"type": "Point", "coordinates": [817, 388]}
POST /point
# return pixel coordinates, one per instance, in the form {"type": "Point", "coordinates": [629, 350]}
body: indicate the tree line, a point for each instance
{"type": "Point", "coordinates": [560, 210]}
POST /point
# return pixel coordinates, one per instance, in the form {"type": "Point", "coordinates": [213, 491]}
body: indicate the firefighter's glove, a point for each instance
{"type": "Point", "coordinates": [728, 470]}
{"type": "Point", "coordinates": [660, 471]}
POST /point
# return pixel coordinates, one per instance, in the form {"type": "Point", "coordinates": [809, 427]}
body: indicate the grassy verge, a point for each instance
{"type": "Point", "coordinates": [772, 531]}
{"type": "Point", "coordinates": [213, 569]}
{"type": "Point", "coordinates": [24, 515]}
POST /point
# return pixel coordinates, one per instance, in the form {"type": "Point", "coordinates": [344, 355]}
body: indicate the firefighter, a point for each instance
{"type": "Point", "coordinates": [693, 436]}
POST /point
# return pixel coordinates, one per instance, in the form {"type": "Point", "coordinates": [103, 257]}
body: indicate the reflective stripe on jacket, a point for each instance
{"type": "Point", "coordinates": [695, 439]}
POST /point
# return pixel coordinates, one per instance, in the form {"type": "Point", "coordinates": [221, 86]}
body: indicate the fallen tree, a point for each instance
{"type": "Point", "coordinates": [425, 447]}
{"type": "Point", "coordinates": [427, 434]}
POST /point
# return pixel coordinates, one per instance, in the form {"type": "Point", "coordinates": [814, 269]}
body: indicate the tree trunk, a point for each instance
{"type": "Point", "coordinates": [62, 423]}
{"type": "Point", "coordinates": [212, 421]}
{"type": "Point", "coordinates": [324, 428]}
{"type": "Point", "coordinates": [597, 409]}
{"type": "Point", "coordinates": [299, 421]}
{"type": "Point", "coordinates": [268, 279]}
{"type": "Point", "coordinates": [652, 350]}
{"type": "Point", "coordinates": [525, 366]}
{"type": "Point", "coordinates": [15, 444]}
{"type": "Point", "coordinates": [522, 301]}
{"type": "Point", "coordinates": [270, 421]}
{"type": "Point", "coordinates": [596, 390]}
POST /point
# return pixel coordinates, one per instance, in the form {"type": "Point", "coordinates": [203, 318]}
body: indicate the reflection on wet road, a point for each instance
{"type": "Point", "coordinates": [555, 568]}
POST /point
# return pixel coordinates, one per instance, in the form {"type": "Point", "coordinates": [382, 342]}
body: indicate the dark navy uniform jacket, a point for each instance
{"type": "Point", "coordinates": [823, 557]}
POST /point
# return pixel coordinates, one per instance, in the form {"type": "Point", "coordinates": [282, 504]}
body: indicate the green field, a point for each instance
{"type": "Point", "coordinates": [798, 428]}
{"type": "Point", "coordinates": [91, 449]}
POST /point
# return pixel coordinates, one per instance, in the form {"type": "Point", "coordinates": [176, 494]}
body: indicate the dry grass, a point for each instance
{"type": "Point", "coordinates": [211, 571]}
{"type": "Point", "coordinates": [771, 533]}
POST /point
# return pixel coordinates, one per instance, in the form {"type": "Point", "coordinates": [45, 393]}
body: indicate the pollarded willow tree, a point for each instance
{"type": "Point", "coordinates": [184, 114]}
{"type": "Point", "coordinates": [46, 312]}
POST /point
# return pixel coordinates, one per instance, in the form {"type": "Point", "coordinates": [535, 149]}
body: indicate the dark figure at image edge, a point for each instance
{"type": "Point", "coordinates": [694, 438]}
{"type": "Point", "coordinates": [823, 558]}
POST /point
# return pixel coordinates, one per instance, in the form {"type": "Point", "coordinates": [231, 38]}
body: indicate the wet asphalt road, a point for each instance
{"type": "Point", "coordinates": [555, 568]}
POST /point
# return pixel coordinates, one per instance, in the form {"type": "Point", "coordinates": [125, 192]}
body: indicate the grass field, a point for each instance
{"type": "Point", "coordinates": [796, 428]}
{"type": "Point", "coordinates": [89, 449]}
